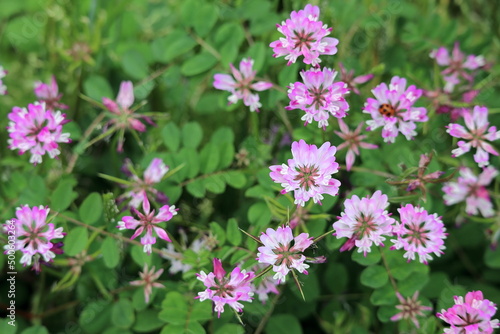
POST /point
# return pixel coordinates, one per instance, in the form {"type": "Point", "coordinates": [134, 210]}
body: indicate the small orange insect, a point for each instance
{"type": "Point", "coordinates": [387, 110]}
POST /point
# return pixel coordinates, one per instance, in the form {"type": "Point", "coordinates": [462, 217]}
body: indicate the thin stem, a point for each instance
{"type": "Point", "coordinates": [371, 171]}
{"type": "Point", "coordinates": [268, 314]}
{"type": "Point", "coordinates": [386, 265]}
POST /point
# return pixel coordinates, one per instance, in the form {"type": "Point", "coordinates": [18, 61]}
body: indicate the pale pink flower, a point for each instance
{"type": "Point", "coordinates": [122, 116]}
{"type": "Point", "coordinates": [224, 290]}
{"type": "Point", "coordinates": [351, 81]}
{"type": "Point", "coordinates": [319, 96]}
{"type": "Point", "coordinates": [419, 233]}
{"type": "Point", "coordinates": [410, 308]}
{"type": "Point", "coordinates": [480, 132]}
{"type": "Point", "coordinates": [153, 174]}
{"type": "Point", "coordinates": [49, 93]}
{"type": "Point", "coordinates": [304, 36]}
{"type": "Point", "coordinates": [308, 173]}
{"type": "Point", "coordinates": [177, 263]}
{"type": "Point", "coordinates": [148, 223]}
{"type": "Point", "coordinates": [3, 88]}
{"type": "Point", "coordinates": [37, 130]}
{"type": "Point", "coordinates": [471, 189]}
{"type": "Point", "coordinates": [470, 316]}
{"type": "Point", "coordinates": [279, 251]}
{"type": "Point", "coordinates": [267, 284]}
{"type": "Point", "coordinates": [393, 110]}
{"type": "Point", "coordinates": [353, 141]}
{"type": "Point", "coordinates": [148, 278]}
{"type": "Point", "coordinates": [240, 84]}
{"type": "Point", "coordinates": [456, 64]}
{"type": "Point", "coordinates": [365, 222]}
{"type": "Point", "coordinates": [33, 236]}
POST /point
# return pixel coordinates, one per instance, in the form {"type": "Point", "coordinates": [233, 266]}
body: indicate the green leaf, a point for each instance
{"type": "Point", "coordinates": [230, 329]}
{"type": "Point", "coordinates": [174, 309]}
{"type": "Point", "coordinates": [147, 321]}
{"type": "Point", "coordinates": [384, 295]}
{"type": "Point", "coordinates": [259, 214]}
{"type": "Point", "coordinates": [233, 232]}
{"type": "Point", "coordinates": [192, 327]}
{"type": "Point", "coordinates": [374, 276]}
{"type": "Point", "coordinates": [416, 281]}
{"type": "Point", "coordinates": [258, 53]}
{"type": "Point", "coordinates": [209, 158]}
{"type": "Point", "coordinates": [200, 311]}
{"type": "Point", "coordinates": [110, 252]}
{"type": "Point", "coordinates": [222, 135]}
{"type": "Point", "coordinates": [95, 317]}
{"type": "Point", "coordinates": [175, 44]}
{"type": "Point", "coordinates": [203, 18]}
{"type": "Point", "coordinates": [196, 188]}
{"type": "Point", "coordinates": [215, 183]}
{"type": "Point", "coordinates": [226, 155]}
{"type": "Point", "coordinates": [140, 257]}
{"type": "Point", "coordinates": [171, 136]}
{"type": "Point", "coordinates": [190, 157]}
{"type": "Point", "coordinates": [63, 195]}
{"type": "Point", "coordinates": [235, 179]}
{"type": "Point", "coordinates": [35, 330]}
{"type": "Point", "coordinates": [122, 314]}
{"type": "Point", "coordinates": [5, 328]}
{"type": "Point", "coordinates": [91, 209]}
{"type": "Point", "coordinates": [492, 258]}
{"type": "Point", "coordinates": [76, 241]}
{"type": "Point", "coordinates": [372, 257]}
{"type": "Point", "coordinates": [218, 232]}
{"type": "Point", "coordinates": [97, 87]}
{"type": "Point", "coordinates": [192, 134]}
{"type": "Point", "coordinates": [283, 324]}
{"type": "Point", "coordinates": [135, 65]}
{"type": "Point", "coordinates": [198, 64]}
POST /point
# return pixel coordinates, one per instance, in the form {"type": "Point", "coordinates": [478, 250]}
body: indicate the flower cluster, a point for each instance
{"type": "Point", "coordinates": [319, 96]}
{"type": "Point", "coordinates": [148, 278]}
{"type": "Point", "coordinates": [393, 109]}
{"type": "Point", "coordinates": [49, 94]}
{"type": "Point", "coordinates": [353, 141]}
{"type": "Point", "coordinates": [410, 308]}
{"type": "Point", "coordinates": [37, 130]}
{"type": "Point", "coordinates": [352, 81]}
{"type": "Point", "coordinates": [240, 85]}
{"type": "Point", "coordinates": [304, 36]}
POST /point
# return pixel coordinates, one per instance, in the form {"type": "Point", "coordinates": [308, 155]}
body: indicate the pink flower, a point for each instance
{"type": "Point", "coordinates": [153, 174]}
{"type": "Point", "coordinates": [410, 308]}
{"type": "Point", "coordinates": [419, 233]}
{"type": "Point", "coordinates": [33, 235]}
{"type": "Point", "coordinates": [479, 133]}
{"type": "Point", "coordinates": [470, 316]}
{"type": "Point", "coordinates": [319, 96]}
{"type": "Point", "coordinates": [3, 88]}
{"type": "Point", "coordinates": [49, 93]}
{"type": "Point", "coordinates": [457, 64]}
{"type": "Point", "coordinates": [351, 81]}
{"type": "Point", "coordinates": [304, 35]}
{"type": "Point", "coordinates": [148, 278]}
{"type": "Point", "coordinates": [224, 290]}
{"type": "Point", "coordinates": [393, 110]}
{"type": "Point", "coordinates": [353, 141]}
{"type": "Point", "coordinates": [308, 173]}
{"type": "Point", "coordinates": [148, 223]}
{"type": "Point", "coordinates": [364, 221]}
{"type": "Point", "coordinates": [278, 251]}
{"type": "Point", "coordinates": [471, 189]}
{"type": "Point", "coordinates": [36, 130]}
{"type": "Point", "coordinates": [240, 84]}
{"type": "Point", "coordinates": [267, 284]}
{"type": "Point", "coordinates": [122, 117]}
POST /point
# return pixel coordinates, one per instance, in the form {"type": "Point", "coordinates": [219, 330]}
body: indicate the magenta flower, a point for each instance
{"type": "Point", "coordinates": [3, 88]}
{"type": "Point", "coordinates": [456, 64]}
{"type": "Point", "coordinates": [224, 290]}
{"type": "Point", "coordinates": [308, 173]}
{"type": "Point", "coordinates": [365, 222]}
{"type": "Point", "coordinates": [148, 278]}
{"type": "Point", "coordinates": [37, 130]}
{"type": "Point", "coordinates": [49, 93]}
{"type": "Point", "coordinates": [470, 316]}
{"type": "Point", "coordinates": [410, 308]}
{"type": "Point", "coordinates": [319, 96]}
{"type": "Point", "coordinates": [148, 223]}
{"type": "Point", "coordinates": [304, 36]}
{"type": "Point", "coordinates": [419, 233]}
{"type": "Point", "coordinates": [351, 81]}
{"type": "Point", "coordinates": [471, 189]}
{"type": "Point", "coordinates": [393, 110]}
{"type": "Point", "coordinates": [240, 84]}
{"type": "Point", "coordinates": [353, 141]}
{"type": "Point", "coordinates": [479, 133]}
{"type": "Point", "coordinates": [278, 251]}
{"type": "Point", "coordinates": [153, 174]}
{"type": "Point", "coordinates": [122, 117]}
{"type": "Point", "coordinates": [33, 236]}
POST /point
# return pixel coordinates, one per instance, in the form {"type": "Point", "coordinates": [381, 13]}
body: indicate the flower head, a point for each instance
{"type": "Point", "coordinates": [33, 236]}
{"type": "Point", "coordinates": [351, 81]}
{"type": "Point", "coordinates": [393, 109]}
{"type": "Point", "coordinates": [419, 233]}
{"type": "Point", "coordinates": [410, 308]}
{"type": "Point", "coordinates": [37, 130]}
{"type": "Point", "coordinates": [148, 223]}
{"type": "Point", "coordinates": [470, 316]}
{"type": "Point", "coordinates": [319, 96]}
{"type": "Point", "coordinates": [278, 251]}
{"type": "Point", "coordinates": [304, 36]}
{"type": "Point", "coordinates": [364, 221]}
{"type": "Point", "coordinates": [224, 290]}
{"type": "Point", "coordinates": [353, 141]}
{"type": "Point", "coordinates": [3, 88]}
{"type": "Point", "coordinates": [49, 93]}
{"type": "Point", "coordinates": [148, 278]}
{"type": "Point", "coordinates": [480, 132]}
{"type": "Point", "coordinates": [471, 189]}
{"type": "Point", "coordinates": [308, 173]}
